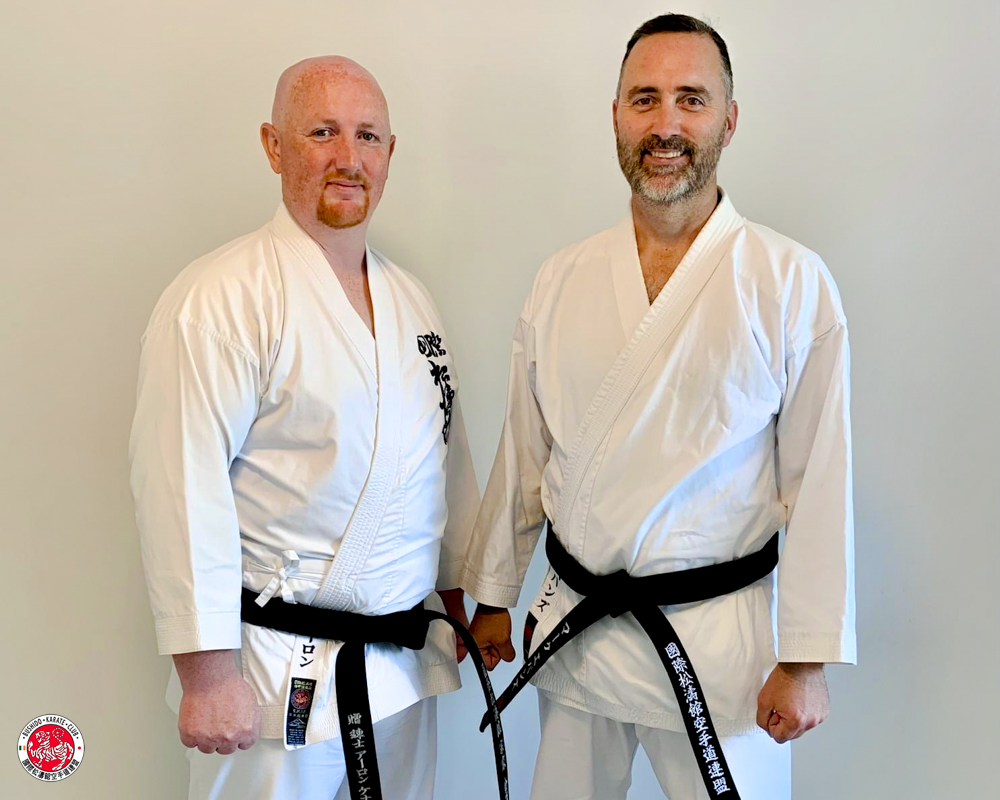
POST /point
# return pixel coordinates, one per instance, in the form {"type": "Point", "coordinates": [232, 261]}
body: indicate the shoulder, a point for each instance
{"type": "Point", "coordinates": [410, 288]}
{"type": "Point", "coordinates": [233, 293]}
{"type": "Point", "coordinates": [576, 260]}
{"type": "Point", "coordinates": [794, 280]}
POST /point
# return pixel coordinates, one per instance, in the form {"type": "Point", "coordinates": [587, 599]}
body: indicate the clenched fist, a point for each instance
{"type": "Point", "coordinates": [219, 711]}
{"type": "Point", "coordinates": [794, 700]}
{"type": "Point", "coordinates": [491, 630]}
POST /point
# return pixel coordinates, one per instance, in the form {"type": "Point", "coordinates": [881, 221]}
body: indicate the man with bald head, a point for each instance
{"type": "Point", "coordinates": [301, 473]}
{"type": "Point", "coordinates": [678, 393]}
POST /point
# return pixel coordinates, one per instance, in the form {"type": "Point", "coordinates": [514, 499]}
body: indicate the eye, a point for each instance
{"type": "Point", "coordinates": [368, 136]}
{"type": "Point", "coordinates": [322, 133]}
{"type": "Point", "coordinates": [694, 101]}
{"type": "Point", "coordinates": [643, 101]}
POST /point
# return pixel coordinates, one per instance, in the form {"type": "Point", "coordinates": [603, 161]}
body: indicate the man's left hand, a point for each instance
{"type": "Point", "coordinates": [454, 607]}
{"type": "Point", "coordinates": [794, 700]}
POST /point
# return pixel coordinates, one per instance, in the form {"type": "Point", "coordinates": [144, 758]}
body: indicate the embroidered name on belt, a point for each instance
{"type": "Point", "coordinates": [429, 344]}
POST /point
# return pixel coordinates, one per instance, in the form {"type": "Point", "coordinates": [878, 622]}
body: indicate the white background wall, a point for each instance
{"type": "Point", "coordinates": [128, 146]}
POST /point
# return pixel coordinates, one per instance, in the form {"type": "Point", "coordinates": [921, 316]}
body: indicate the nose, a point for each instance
{"type": "Point", "coordinates": [346, 157]}
{"type": "Point", "coordinates": [666, 121]}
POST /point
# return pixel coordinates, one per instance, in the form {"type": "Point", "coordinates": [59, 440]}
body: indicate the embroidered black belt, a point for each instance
{"type": "Point", "coordinates": [403, 628]}
{"type": "Point", "coordinates": [618, 593]}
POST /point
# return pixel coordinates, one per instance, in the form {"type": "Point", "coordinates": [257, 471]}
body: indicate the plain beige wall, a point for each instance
{"type": "Point", "coordinates": [867, 131]}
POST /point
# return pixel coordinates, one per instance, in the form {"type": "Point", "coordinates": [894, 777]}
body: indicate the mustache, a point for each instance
{"type": "Point", "coordinates": [353, 177]}
{"type": "Point", "coordinates": [654, 142]}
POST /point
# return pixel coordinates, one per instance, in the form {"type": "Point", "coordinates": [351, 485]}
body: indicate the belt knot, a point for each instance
{"type": "Point", "coordinates": [617, 588]}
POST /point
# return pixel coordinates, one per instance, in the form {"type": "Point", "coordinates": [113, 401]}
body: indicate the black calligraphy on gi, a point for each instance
{"type": "Point", "coordinates": [430, 345]}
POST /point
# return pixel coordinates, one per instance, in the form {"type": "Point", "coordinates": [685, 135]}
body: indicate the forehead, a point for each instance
{"type": "Point", "coordinates": [665, 60]}
{"type": "Point", "coordinates": [336, 94]}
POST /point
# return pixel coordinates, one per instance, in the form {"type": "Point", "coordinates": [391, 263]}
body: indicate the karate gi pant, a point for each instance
{"type": "Point", "coordinates": [586, 757]}
{"type": "Point", "coordinates": [407, 752]}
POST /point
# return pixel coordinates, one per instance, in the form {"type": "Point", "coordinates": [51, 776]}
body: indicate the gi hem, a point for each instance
{"type": "Point", "coordinates": [489, 594]}
{"type": "Point", "coordinates": [570, 693]}
{"type": "Point", "coordinates": [325, 724]}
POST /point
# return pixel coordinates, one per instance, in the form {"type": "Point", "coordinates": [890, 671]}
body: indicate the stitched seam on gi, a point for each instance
{"type": "Point", "coordinates": [209, 331]}
{"type": "Point", "coordinates": [829, 331]}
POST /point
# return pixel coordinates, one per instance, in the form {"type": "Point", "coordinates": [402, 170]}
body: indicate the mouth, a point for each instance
{"type": "Point", "coordinates": [345, 185]}
{"type": "Point", "coordinates": [664, 157]}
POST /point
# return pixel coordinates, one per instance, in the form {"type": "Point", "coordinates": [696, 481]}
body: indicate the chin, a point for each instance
{"type": "Point", "coordinates": [342, 215]}
{"type": "Point", "coordinates": [664, 193]}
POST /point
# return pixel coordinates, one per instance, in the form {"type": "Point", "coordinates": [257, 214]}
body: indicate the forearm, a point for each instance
{"type": "Point", "coordinates": [462, 496]}
{"type": "Point", "coordinates": [816, 573]}
{"type": "Point", "coordinates": [801, 669]}
{"type": "Point", "coordinates": [454, 600]}
{"type": "Point", "coordinates": [511, 516]}
{"type": "Point", "coordinates": [201, 670]}
{"type": "Point", "coordinates": [195, 404]}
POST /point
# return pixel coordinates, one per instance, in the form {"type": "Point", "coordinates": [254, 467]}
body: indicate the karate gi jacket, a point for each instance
{"type": "Point", "coordinates": [278, 446]}
{"type": "Point", "coordinates": [674, 435]}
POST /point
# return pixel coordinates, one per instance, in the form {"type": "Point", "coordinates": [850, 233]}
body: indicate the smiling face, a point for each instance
{"type": "Point", "coordinates": [330, 141]}
{"type": "Point", "coordinates": [672, 117]}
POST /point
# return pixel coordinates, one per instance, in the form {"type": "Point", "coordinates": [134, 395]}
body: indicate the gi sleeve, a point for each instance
{"type": "Point", "coordinates": [511, 516]}
{"type": "Point", "coordinates": [816, 573]}
{"type": "Point", "coordinates": [197, 397]}
{"type": "Point", "coordinates": [462, 496]}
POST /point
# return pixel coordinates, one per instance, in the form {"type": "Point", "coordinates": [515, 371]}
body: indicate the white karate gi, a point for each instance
{"type": "Point", "coordinates": [660, 438]}
{"type": "Point", "coordinates": [278, 446]}
{"type": "Point", "coordinates": [588, 757]}
{"type": "Point", "coordinates": [407, 755]}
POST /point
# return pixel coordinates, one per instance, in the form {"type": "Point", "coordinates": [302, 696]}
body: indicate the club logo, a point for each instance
{"type": "Point", "coordinates": [301, 698]}
{"type": "Point", "coordinates": [50, 748]}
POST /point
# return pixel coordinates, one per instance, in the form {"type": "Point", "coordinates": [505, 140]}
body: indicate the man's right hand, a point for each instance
{"type": "Point", "coordinates": [491, 630]}
{"type": "Point", "coordinates": [219, 711]}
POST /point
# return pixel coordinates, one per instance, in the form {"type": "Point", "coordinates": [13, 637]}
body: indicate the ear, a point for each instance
{"type": "Point", "coordinates": [272, 146]}
{"type": "Point", "coordinates": [614, 116]}
{"type": "Point", "coordinates": [392, 145]}
{"type": "Point", "coordinates": [731, 116]}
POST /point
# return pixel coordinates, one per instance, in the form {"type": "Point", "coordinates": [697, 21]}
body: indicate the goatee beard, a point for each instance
{"type": "Point", "coordinates": [690, 180]}
{"type": "Point", "coordinates": [335, 215]}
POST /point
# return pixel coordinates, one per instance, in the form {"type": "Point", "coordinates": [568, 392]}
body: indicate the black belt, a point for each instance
{"type": "Point", "coordinates": [618, 593]}
{"type": "Point", "coordinates": [403, 628]}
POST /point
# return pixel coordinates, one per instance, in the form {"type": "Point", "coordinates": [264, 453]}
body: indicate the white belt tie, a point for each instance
{"type": "Point", "coordinates": [289, 563]}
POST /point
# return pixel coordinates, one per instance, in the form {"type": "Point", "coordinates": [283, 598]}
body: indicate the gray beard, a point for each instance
{"type": "Point", "coordinates": [690, 180]}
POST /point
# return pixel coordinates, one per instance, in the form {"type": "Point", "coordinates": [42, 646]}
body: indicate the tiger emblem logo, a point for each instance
{"type": "Point", "coordinates": [50, 748]}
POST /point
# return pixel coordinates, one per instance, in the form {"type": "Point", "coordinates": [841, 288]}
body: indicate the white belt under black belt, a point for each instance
{"type": "Point", "coordinates": [620, 593]}
{"type": "Point", "coordinates": [403, 628]}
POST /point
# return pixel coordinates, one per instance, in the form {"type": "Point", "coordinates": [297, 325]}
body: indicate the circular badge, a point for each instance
{"type": "Point", "coordinates": [50, 748]}
{"type": "Point", "coordinates": [301, 698]}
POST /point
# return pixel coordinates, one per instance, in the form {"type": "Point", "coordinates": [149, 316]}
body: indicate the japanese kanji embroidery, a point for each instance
{"type": "Point", "coordinates": [429, 344]}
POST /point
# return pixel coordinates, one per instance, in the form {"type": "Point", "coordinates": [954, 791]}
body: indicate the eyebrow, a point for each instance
{"type": "Point", "coordinates": [635, 91]}
{"type": "Point", "coordinates": [336, 123]}
{"type": "Point", "coordinates": [701, 90]}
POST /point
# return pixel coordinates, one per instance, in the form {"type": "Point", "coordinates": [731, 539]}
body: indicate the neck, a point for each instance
{"type": "Point", "coordinates": [344, 248]}
{"type": "Point", "coordinates": [668, 225]}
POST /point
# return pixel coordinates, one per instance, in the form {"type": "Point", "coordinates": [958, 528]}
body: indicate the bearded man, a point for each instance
{"type": "Point", "coordinates": [302, 478]}
{"type": "Point", "coordinates": [678, 394]}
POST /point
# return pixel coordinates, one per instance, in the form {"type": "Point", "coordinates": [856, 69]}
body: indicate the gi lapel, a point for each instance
{"type": "Point", "coordinates": [314, 264]}
{"type": "Point", "coordinates": [626, 277]}
{"type": "Point", "coordinates": [336, 592]}
{"type": "Point", "coordinates": [648, 338]}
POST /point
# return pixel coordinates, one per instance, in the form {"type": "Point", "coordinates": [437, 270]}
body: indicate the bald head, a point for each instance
{"type": "Point", "coordinates": [299, 84]}
{"type": "Point", "coordinates": [329, 139]}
